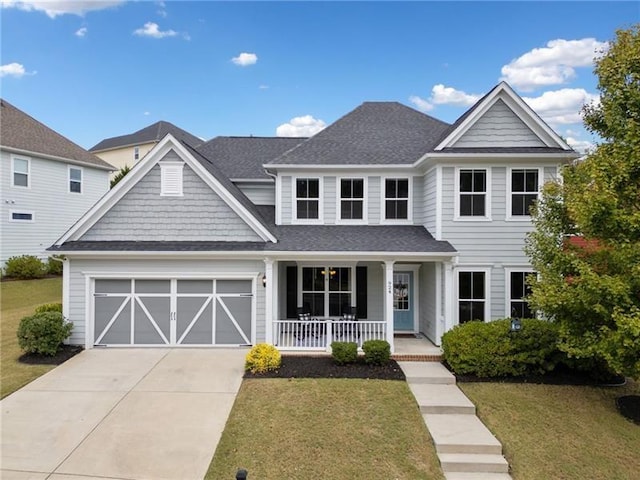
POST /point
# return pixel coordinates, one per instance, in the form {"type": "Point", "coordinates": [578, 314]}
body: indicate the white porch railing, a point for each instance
{"type": "Point", "coordinates": [317, 334]}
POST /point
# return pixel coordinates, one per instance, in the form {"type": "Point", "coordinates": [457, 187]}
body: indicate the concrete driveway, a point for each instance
{"type": "Point", "coordinates": [121, 414]}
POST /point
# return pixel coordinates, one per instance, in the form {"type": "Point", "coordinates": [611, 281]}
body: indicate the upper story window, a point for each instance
{"type": "Point", "coordinates": [396, 199]}
{"type": "Point", "coordinates": [307, 198]}
{"type": "Point", "coordinates": [21, 172]}
{"type": "Point", "coordinates": [473, 193]}
{"type": "Point", "coordinates": [524, 190]}
{"type": "Point", "coordinates": [171, 179]}
{"type": "Point", "coordinates": [351, 198]}
{"type": "Point", "coordinates": [136, 153]}
{"type": "Point", "coordinates": [75, 180]}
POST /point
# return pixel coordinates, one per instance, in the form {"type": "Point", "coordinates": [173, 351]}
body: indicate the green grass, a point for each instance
{"type": "Point", "coordinates": [560, 432]}
{"type": "Point", "coordinates": [325, 428]}
{"type": "Point", "coordinates": [19, 299]}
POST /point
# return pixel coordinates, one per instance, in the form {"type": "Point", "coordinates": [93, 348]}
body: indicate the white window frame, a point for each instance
{"type": "Point", "coordinates": [326, 292]}
{"type": "Point", "coordinates": [487, 289]}
{"type": "Point", "coordinates": [509, 200]}
{"type": "Point", "coordinates": [294, 200]}
{"type": "Point", "coordinates": [177, 167]}
{"type": "Point", "coordinates": [507, 285]}
{"type": "Point", "coordinates": [339, 199]}
{"type": "Point", "coordinates": [136, 153]}
{"type": "Point", "coordinates": [13, 171]}
{"type": "Point", "coordinates": [383, 199]}
{"type": "Point", "coordinates": [487, 206]}
{"type": "Point", "coordinates": [69, 180]}
{"type": "Point", "coordinates": [28, 212]}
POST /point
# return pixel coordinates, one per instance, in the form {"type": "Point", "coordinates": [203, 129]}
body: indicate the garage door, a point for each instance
{"type": "Point", "coordinates": [173, 312]}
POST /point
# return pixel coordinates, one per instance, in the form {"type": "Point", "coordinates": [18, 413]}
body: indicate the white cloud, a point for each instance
{"type": "Point", "coordinates": [420, 103]}
{"type": "Point", "coordinates": [441, 95]}
{"type": "Point", "coordinates": [152, 29]}
{"type": "Point", "coordinates": [263, 87]}
{"type": "Point", "coordinates": [81, 32]}
{"type": "Point", "coordinates": [162, 12]}
{"type": "Point", "coordinates": [14, 70]}
{"type": "Point", "coordinates": [304, 126]}
{"type": "Point", "coordinates": [146, 114]}
{"type": "Point", "coordinates": [582, 146]}
{"type": "Point", "coordinates": [55, 8]}
{"type": "Point", "coordinates": [561, 107]}
{"type": "Point", "coordinates": [551, 65]}
{"type": "Point", "coordinates": [245, 59]}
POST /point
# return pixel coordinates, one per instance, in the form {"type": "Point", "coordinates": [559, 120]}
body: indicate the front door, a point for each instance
{"type": "Point", "coordinates": [403, 301]}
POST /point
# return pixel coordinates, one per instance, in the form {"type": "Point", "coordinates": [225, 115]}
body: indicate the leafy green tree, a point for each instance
{"type": "Point", "coordinates": [120, 175]}
{"type": "Point", "coordinates": [586, 244]}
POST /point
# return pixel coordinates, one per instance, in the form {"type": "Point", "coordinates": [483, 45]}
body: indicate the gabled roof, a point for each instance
{"type": "Point", "coordinates": [151, 134]}
{"type": "Point", "coordinates": [23, 133]}
{"type": "Point", "coordinates": [243, 157]}
{"type": "Point", "coordinates": [375, 133]}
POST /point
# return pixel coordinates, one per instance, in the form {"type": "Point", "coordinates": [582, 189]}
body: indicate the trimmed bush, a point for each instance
{"type": "Point", "coordinates": [492, 350]}
{"type": "Point", "coordinates": [54, 267]}
{"type": "Point", "coordinates": [25, 267]}
{"type": "Point", "coordinates": [262, 358]}
{"type": "Point", "coordinates": [376, 352]}
{"type": "Point", "coordinates": [49, 307]}
{"type": "Point", "coordinates": [43, 333]}
{"type": "Point", "coordinates": [344, 352]}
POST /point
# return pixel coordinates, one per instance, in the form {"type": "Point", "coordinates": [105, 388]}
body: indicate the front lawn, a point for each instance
{"type": "Point", "coordinates": [325, 428]}
{"type": "Point", "coordinates": [559, 431]}
{"type": "Point", "coordinates": [19, 299]}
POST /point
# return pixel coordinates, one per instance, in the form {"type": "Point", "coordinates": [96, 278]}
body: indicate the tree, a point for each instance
{"type": "Point", "coordinates": [586, 242]}
{"type": "Point", "coordinates": [120, 175]}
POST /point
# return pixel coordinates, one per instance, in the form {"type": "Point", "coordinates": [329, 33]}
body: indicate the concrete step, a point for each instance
{"type": "Point", "coordinates": [473, 462]}
{"type": "Point", "coordinates": [427, 372]}
{"type": "Point", "coordinates": [476, 476]}
{"type": "Point", "coordinates": [461, 434]}
{"type": "Point", "coordinates": [441, 399]}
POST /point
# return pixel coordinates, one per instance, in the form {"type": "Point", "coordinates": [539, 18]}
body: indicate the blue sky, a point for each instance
{"type": "Point", "coordinates": [92, 70]}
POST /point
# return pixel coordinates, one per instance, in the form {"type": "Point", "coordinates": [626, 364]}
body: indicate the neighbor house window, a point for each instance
{"type": "Point", "coordinates": [519, 290]}
{"type": "Point", "coordinates": [396, 198]}
{"type": "Point", "coordinates": [136, 153]}
{"type": "Point", "coordinates": [471, 296]}
{"type": "Point", "coordinates": [171, 179]}
{"type": "Point", "coordinates": [21, 216]}
{"type": "Point", "coordinates": [473, 193]}
{"type": "Point", "coordinates": [21, 172]}
{"type": "Point", "coordinates": [307, 198]}
{"type": "Point", "coordinates": [351, 198]}
{"type": "Point", "coordinates": [75, 180]}
{"type": "Point", "coordinates": [326, 290]}
{"type": "Point", "coordinates": [524, 191]}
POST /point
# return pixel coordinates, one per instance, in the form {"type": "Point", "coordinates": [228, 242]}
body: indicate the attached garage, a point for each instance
{"type": "Point", "coordinates": [173, 311]}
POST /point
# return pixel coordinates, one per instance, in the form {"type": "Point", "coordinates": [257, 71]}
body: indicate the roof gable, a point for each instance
{"type": "Point", "coordinates": [150, 134]}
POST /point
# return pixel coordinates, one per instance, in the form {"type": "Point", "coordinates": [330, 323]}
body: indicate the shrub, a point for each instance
{"type": "Point", "coordinates": [49, 307]}
{"type": "Point", "coordinates": [492, 350]}
{"type": "Point", "coordinates": [25, 267]}
{"type": "Point", "coordinates": [54, 267]}
{"type": "Point", "coordinates": [376, 352]}
{"type": "Point", "coordinates": [43, 333]}
{"type": "Point", "coordinates": [262, 358]}
{"type": "Point", "coordinates": [344, 352]}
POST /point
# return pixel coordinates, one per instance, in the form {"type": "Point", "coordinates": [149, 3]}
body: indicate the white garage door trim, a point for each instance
{"type": "Point", "coordinates": [173, 341]}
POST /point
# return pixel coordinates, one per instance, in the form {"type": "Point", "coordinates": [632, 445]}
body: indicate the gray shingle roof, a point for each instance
{"type": "Point", "coordinates": [23, 132]}
{"type": "Point", "coordinates": [243, 157]}
{"type": "Point", "coordinates": [152, 133]}
{"type": "Point", "coordinates": [375, 133]}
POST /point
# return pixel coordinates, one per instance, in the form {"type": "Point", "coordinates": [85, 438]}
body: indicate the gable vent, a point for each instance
{"type": "Point", "coordinates": [171, 179]}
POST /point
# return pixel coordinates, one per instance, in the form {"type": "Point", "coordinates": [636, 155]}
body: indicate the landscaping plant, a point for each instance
{"type": "Point", "coordinates": [262, 358]}
{"type": "Point", "coordinates": [43, 333]}
{"type": "Point", "coordinates": [344, 352]}
{"type": "Point", "coordinates": [376, 352]}
{"type": "Point", "coordinates": [49, 307]}
{"type": "Point", "coordinates": [25, 267]}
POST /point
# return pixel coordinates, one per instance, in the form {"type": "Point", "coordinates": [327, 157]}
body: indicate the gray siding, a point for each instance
{"type": "Point", "coordinates": [417, 198]}
{"type": "Point", "coordinates": [429, 200]}
{"type": "Point", "coordinates": [374, 200]}
{"type": "Point", "coordinates": [55, 209]}
{"type": "Point", "coordinates": [499, 127]}
{"type": "Point", "coordinates": [375, 286]}
{"type": "Point", "coordinates": [285, 205]}
{"type": "Point", "coordinates": [428, 314]}
{"type": "Point", "coordinates": [330, 198]}
{"type": "Point", "coordinates": [259, 193]}
{"type": "Point", "coordinates": [143, 214]}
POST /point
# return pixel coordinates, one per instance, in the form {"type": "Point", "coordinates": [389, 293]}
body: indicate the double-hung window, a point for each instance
{"type": "Point", "coordinates": [471, 296]}
{"type": "Point", "coordinates": [307, 198]}
{"type": "Point", "coordinates": [326, 290]}
{"type": "Point", "coordinates": [21, 172]}
{"type": "Point", "coordinates": [396, 198]}
{"type": "Point", "coordinates": [518, 291]}
{"type": "Point", "coordinates": [75, 180]}
{"type": "Point", "coordinates": [351, 198]}
{"type": "Point", "coordinates": [473, 192]}
{"type": "Point", "coordinates": [524, 191]}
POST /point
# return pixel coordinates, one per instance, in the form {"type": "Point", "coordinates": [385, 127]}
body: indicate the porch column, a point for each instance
{"type": "Point", "coordinates": [449, 296]}
{"type": "Point", "coordinates": [388, 300]}
{"type": "Point", "coordinates": [268, 299]}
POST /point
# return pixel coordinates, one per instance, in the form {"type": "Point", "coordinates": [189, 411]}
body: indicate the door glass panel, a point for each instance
{"type": "Point", "coordinates": [401, 291]}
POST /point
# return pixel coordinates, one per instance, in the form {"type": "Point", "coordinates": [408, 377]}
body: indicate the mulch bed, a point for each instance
{"type": "Point", "coordinates": [304, 366]}
{"type": "Point", "coordinates": [64, 354]}
{"type": "Point", "coordinates": [629, 407]}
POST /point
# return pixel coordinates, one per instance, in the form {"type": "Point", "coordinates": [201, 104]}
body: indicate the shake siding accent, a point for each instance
{"type": "Point", "coordinates": [428, 314]}
{"type": "Point", "coordinates": [142, 214]}
{"type": "Point", "coordinates": [259, 193]}
{"type": "Point", "coordinates": [418, 204]}
{"type": "Point", "coordinates": [499, 127]}
{"type": "Point", "coordinates": [330, 199]}
{"type": "Point", "coordinates": [374, 192]}
{"type": "Point", "coordinates": [429, 201]}
{"type": "Point", "coordinates": [285, 205]}
{"type": "Point", "coordinates": [79, 267]}
{"type": "Point", "coordinates": [55, 209]}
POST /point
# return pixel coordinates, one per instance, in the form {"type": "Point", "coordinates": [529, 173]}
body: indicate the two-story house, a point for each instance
{"type": "Point", "coordinates": [387, 221]}
{"type": "Point", "coordinates": [46, 183]}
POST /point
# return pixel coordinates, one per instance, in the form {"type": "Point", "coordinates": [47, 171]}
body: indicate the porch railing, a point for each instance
{"type": "Point", "coordinates": [317, 334]}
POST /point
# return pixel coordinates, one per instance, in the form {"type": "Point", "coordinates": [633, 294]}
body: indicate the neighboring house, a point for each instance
{"type": "Point", "coordinates": [127, 150]}
{"type": "Point", "coordinates": [47, 182]}
{"type": "Point", "coordinates": [413, 224]}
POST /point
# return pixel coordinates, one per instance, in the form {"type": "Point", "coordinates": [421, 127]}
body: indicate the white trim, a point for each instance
{"type": "Point", "coordinates": [22, 212]}
{"type": "Point", "coordinates": [439, 313]}
{"type": "Point", "coordinates": [333, 166]}
{"type": "Point", "coordinates": [488, 197]}
{"type": "Point", "coordinates": [487, 289]}
{"type": "Point", "coordinates": [278, 200]}
{"type": "Point", "coordinates": [508, 201]}
{"type": "Point", "coordinates": [66, 286]}
{"type": "Point", "coordinates": [415, 269]}
{"type": "Point", "coordinates": [13, 171]}
{"type": "Point", "coordinates": [507, 285]}
{"type": "Point", "coordinates": [387, 286]}
{"type": "Point", "coordinates": [89, 309]}
{"type": "Point", "coordinates": [69, 180]}
{"type": "Point", "coordinates": [438, 232]}
{"type": "Point", "coordinates": [294, 198]}
{"type": "Point", "coordinates": [168, 168]}
{"type": "Point", "coordinates": [383, 198]}
{"type": "Point", "coordinates": [20, 152]}
{"type": "Point", "coordinates": [365, 201]}
{"type": "Point", "coordinates": [269, 299]}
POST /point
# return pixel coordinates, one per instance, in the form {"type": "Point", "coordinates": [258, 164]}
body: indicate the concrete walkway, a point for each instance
{"type": "Point", "coordinates": [466, 448]}
{"type": "Point", "coordinates": [121, 414]}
